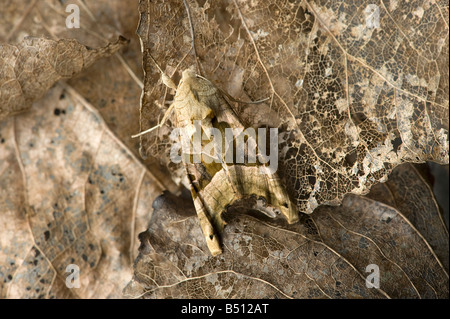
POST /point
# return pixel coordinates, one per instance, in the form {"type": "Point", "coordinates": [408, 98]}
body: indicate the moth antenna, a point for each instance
{"type": "Point", "coordinates": [169, 83]}
{"type": "Point", "coordinates": [191, 29]}
{"type": "Point", "coordinates": [164, 119]}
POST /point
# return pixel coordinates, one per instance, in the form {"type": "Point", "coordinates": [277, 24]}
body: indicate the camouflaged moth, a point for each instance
{"type": "Point", "coordinates": [216, 179]}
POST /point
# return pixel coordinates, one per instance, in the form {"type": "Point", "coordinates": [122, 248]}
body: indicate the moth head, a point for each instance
{"type": "Point", "coordinates": [187, 87]}
{"type": "Point", "coordinates": [188, 74]}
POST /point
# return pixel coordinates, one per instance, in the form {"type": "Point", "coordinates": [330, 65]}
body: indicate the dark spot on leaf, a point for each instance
{"type": "Point", "coordinates": [396, 143]}
{"type": "Point", "coordinates": [85, 258]}
{"type": "Point", "coordinates": [363, 244]}
{"type": "Point", "coordinates": [46, 235]}
{"type": "Point", "coordinates": [350, 159]}
{"type": "Point", "coordinates": [359, 117]}
{"type": "Point", "coordinates": [311, 180]}
{"type": "Point", "coordinates": [58, 112]}
{"type": "Point", "coordinates": [102, 103]}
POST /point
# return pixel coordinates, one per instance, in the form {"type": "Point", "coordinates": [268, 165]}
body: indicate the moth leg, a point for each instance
{"type": "Point", "coordinates": [164, 77]}
{"type": "Point", "coordinates": [170, 84]}
{"type": "Point", "coordinates": [164, 119]}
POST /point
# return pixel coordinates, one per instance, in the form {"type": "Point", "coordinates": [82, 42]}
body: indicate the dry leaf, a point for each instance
{"type": "Point", "coordinates": [29, 69]}
{"type": "Point", "coordinates": [77, 195]}
{"type": "Point", "coordinates": [105, 251]}
{"type": "Point", "coordinates": [325, 255]}
{"type": "Point", "coordinates": [97, 231]}
{"type": "Point", "coordinates": [412, 195]}
{"type": "Point", "coordinates": [355, 89]}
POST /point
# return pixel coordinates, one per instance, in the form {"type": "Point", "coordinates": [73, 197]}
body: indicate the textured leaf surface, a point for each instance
{"type": "Point", "coordinates": [356, 88]}
{"type": "Point", "coordinates": [72, 189]}
{"type": "Point", "coordinates": [324, 256]}
{"type": "Point", "coordinates": [75, 197]}
{"type": "Point", "coordinates": [29, 69]}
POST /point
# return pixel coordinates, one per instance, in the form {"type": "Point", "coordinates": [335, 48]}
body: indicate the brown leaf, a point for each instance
{"type": "Point", "coordinates": [412, 195]}
{"type": "Point", "coordinates": [355, 89]}
{"type": "Point", "coordinates": [259, 261]}
{"type": "Point", "coordinates": [111, 87]}
{"type": "Point", "coordinates": [69, 140]}
{"type": "Point", "coordinates": [324, 256]}
{"type": "Point", "coordinates": [75, 196]}
{"type": "Point", "coordinates": [29, 69]}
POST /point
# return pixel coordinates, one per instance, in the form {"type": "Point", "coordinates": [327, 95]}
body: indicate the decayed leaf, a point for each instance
{"type": "Point", "coordinates": [323, 256]}
{"type": "Point", "coordinates": [29, 69]}
{"type": "Point", "coordinates": [111, 87]}
{"type": "Point", "coordinates": [355, 89]}
{"type": "Point", "coordinates": [95, 230]}
{"type": "Point", "coordinates": [70, 193]}
{"type": "Point", "coordinates": [408, 191]}
{"type": "Point", "coordinates": [114, 85]}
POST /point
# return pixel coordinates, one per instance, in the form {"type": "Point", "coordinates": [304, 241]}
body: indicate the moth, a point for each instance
{"type": "Point", "coordinates": [218, 172]}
